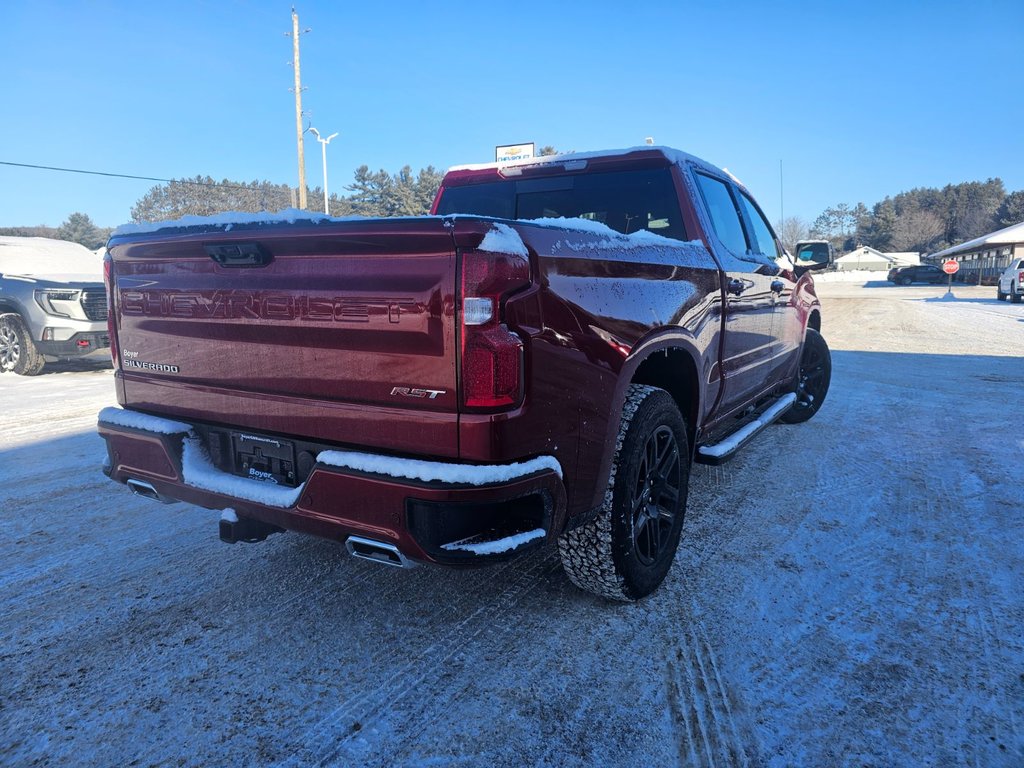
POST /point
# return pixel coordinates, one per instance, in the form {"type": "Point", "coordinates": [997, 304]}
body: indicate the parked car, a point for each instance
{"type": "Point", "coordinates": [53, 304]}
{"type": "Point", "coordinates": [1011, 282]}
{"type": "Point", "coordinates": [539, 361]}
{"type": "Point", "coordinates": [917, 273]}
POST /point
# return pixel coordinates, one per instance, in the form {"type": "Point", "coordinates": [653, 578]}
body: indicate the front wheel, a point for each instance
{"type": "Point", "coordinates": [814, 379]}
{"type": "Point", "coordinates": [904, 281]}
{"type": "Point", "coordinates": [625, 552]}
{"type": "Point", "coordinates": [18, 353]}
{"type": "Point", "coordinates": [1000, 296]}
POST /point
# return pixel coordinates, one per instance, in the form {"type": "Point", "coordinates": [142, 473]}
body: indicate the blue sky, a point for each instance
{"type": "Point", "coordinates": [856, 100]}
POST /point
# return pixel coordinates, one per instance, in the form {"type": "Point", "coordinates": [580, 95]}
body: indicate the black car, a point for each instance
{"type": "Point", "coordinates": [919, 273]}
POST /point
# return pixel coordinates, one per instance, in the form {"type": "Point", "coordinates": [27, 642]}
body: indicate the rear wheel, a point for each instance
{"type": "Point", "coordinates": [626, 551]}
{"type": "Point", "coordinates": [18, 354]}
{"type": "Point", "coordinates": [1014, 296]}
{"type": "Point", "coordinates": [815, 377]}
{"type": "Point", "coordinates": [1000, 296]}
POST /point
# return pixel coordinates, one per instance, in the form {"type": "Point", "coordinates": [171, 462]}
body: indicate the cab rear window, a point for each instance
{"type": "Point", "coordinates": [626, 201]}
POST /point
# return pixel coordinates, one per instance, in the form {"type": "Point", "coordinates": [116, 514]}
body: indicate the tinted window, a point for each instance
{"type": "Point", "coordinates": [724, 216]}
{"type": "Point", "coordinates": [626, 201]}
{"type": "Point", "coordinates": [762, 232]}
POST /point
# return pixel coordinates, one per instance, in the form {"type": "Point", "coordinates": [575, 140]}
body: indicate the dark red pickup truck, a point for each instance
{"type": "Point", "coordinates": [539, 361]}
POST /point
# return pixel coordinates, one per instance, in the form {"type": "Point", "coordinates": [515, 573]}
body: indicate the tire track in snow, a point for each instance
{"type": "Point", "coordinates": [327, 742]}
{"type": "Point", "coordinates": [708, 734]}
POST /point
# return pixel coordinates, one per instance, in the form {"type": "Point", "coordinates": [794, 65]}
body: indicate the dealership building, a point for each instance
{"type": "Point", "coordinates": [984, 258]}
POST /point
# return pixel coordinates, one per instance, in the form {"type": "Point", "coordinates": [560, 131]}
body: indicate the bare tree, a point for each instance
{"type": "Point", "coordinates": [917, 230]}
{"type": "Point", "coordinates": [791, 230]}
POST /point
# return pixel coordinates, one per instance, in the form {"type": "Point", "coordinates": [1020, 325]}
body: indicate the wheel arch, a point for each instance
{"type": "Point", "coordinates": [668, 361]}
{"type": "Point", "coordinates": [674, 370]}
{"type": "Point", "coordinates": [814, 320]}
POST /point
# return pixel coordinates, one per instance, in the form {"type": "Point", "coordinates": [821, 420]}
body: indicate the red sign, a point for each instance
{"type": "Point", "coordinates": [951, 267]}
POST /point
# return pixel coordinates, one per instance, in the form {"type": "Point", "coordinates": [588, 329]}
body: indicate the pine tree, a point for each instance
{"type": "Point", "coordinates": [79, 228]}
{"type": "Point", "coordinates": [1011, 211]}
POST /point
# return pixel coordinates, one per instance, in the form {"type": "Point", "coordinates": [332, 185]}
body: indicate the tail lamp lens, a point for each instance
{"type": "Point", "coordinates": [108, 281]}
{"type": "Point", "coordinates": [492, 356]}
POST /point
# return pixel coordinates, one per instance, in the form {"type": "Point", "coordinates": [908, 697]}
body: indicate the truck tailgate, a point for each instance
{"type": "Point", "coordinates": [337, 331]}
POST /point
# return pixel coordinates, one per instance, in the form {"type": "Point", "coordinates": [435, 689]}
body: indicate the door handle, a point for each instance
{"type": "Point", "coordinates": [778, 286]}
{"type": "Point", "coordinates": [735, 287]}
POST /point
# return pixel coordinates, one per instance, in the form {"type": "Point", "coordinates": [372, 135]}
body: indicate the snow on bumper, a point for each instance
{"type": "Point", "coordinates": [422, 507]}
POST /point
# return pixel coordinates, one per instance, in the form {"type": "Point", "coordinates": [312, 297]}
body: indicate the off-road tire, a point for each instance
{"type": "Point", "coordinates": [626, 550]}
{"type": "Point", "coordinates": [814, 379]}
{"type": "Point", "coordinates": [18, 353]}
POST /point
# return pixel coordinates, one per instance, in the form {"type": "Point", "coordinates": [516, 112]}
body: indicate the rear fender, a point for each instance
{"type": "Point", "coordinates": [669, 360]}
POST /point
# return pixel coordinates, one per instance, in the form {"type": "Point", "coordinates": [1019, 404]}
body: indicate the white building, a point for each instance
{"type": "Point", "coordinates": [984, 258]}
{"type": "Point", "coordinates": [866, 257]}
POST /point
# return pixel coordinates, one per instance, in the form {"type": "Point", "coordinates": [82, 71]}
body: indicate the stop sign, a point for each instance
{"type": "Point", "coordinates": [951, 267]}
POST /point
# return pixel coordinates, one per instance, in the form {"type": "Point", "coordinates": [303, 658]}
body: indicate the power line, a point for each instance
{"type": "Point", "coordinates": [125, 175]}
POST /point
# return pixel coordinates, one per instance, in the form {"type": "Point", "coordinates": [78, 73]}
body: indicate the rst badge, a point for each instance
{"type": "Point", "coordinates": [430, 394]}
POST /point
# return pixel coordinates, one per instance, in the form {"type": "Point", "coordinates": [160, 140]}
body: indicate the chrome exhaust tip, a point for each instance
{"type": "Point", "coordinates": [142, 488]}
{"type": "Point", "coordinates": [368, 549]}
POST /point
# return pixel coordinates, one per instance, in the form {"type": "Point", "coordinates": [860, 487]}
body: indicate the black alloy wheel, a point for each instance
{"type": "Point", "coordinates": [655, 498]}
{"type": "Point", "coordinates": [813, 381]}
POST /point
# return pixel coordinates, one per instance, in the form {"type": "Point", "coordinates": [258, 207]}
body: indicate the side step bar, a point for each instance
{"type": "Point", "coordinates": [378, 552]}
{"type": "Point", "coordinates": [721, 452]}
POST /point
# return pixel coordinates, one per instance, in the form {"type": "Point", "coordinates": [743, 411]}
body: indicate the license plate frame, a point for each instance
{"type": "Point", "coordinates": [264, 459]}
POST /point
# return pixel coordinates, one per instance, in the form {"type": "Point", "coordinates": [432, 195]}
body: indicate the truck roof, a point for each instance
{"type": "Point", "coordinates": [630, 153]}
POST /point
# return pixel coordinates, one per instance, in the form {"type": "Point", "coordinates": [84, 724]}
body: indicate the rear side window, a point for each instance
{"type": "Point", "coordinates": [725, 218]}
{"type": "Point", "coordinates": [626, 201]}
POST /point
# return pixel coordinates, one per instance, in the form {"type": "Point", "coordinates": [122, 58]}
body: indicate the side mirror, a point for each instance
{"type": "Point", "coordinates": [812, 255]}
{"type": "Point", "coordinates": [801, 267]}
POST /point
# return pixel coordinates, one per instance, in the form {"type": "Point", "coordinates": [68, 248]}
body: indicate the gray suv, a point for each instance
{"type": "Point", "coordinates": [47, 315]}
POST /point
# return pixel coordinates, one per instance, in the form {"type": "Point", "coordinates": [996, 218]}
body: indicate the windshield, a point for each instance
{"type": "Point", "coordinates": [626, 201]}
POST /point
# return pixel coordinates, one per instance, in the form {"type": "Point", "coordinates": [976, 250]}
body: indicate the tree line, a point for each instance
{"type": "Point", "coordinates": [923, 219]}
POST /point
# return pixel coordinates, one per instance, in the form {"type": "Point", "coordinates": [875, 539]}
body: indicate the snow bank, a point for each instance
{"type": "Point", "coordinates": [43, 257]}
{"type": "Point", "coordinates": [851, 276]}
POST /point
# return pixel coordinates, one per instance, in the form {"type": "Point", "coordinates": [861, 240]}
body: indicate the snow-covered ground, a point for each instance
{"type": "Point", "coordinates": [848, 593]}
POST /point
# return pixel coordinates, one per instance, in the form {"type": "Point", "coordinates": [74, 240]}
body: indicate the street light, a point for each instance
{"type": "Point", "coordinates": [323, 147]}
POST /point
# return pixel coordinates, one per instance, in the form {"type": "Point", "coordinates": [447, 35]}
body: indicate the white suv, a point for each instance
{"type": "Point", "coordinates": [1011, 282]}
{"type": "Point", "coordinates": [53, 305]}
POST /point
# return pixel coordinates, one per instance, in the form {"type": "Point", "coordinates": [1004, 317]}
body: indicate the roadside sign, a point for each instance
{"type": "Point", "coordinates": [951, 267]}
{"type": "Point", "coordinates": [509, 153]}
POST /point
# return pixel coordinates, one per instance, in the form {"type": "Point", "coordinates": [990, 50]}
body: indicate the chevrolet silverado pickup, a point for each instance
{"type": "Point", "coordinates": [537, 362]}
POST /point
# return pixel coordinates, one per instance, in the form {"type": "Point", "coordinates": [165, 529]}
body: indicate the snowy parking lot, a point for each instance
{"type": "Point", "coordinates": [847, 593]}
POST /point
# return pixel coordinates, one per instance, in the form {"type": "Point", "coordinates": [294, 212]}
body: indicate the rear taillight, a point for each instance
{"type": "Point", "coordinates": [108, 281]}
{"type": "Point", "coordinates": [492, 356]}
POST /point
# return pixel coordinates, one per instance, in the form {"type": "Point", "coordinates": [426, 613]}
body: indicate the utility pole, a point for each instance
{"type": "Point", "coordinates": [323, 146]}
{"type": "Point", "coordinates": [298, 108]}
